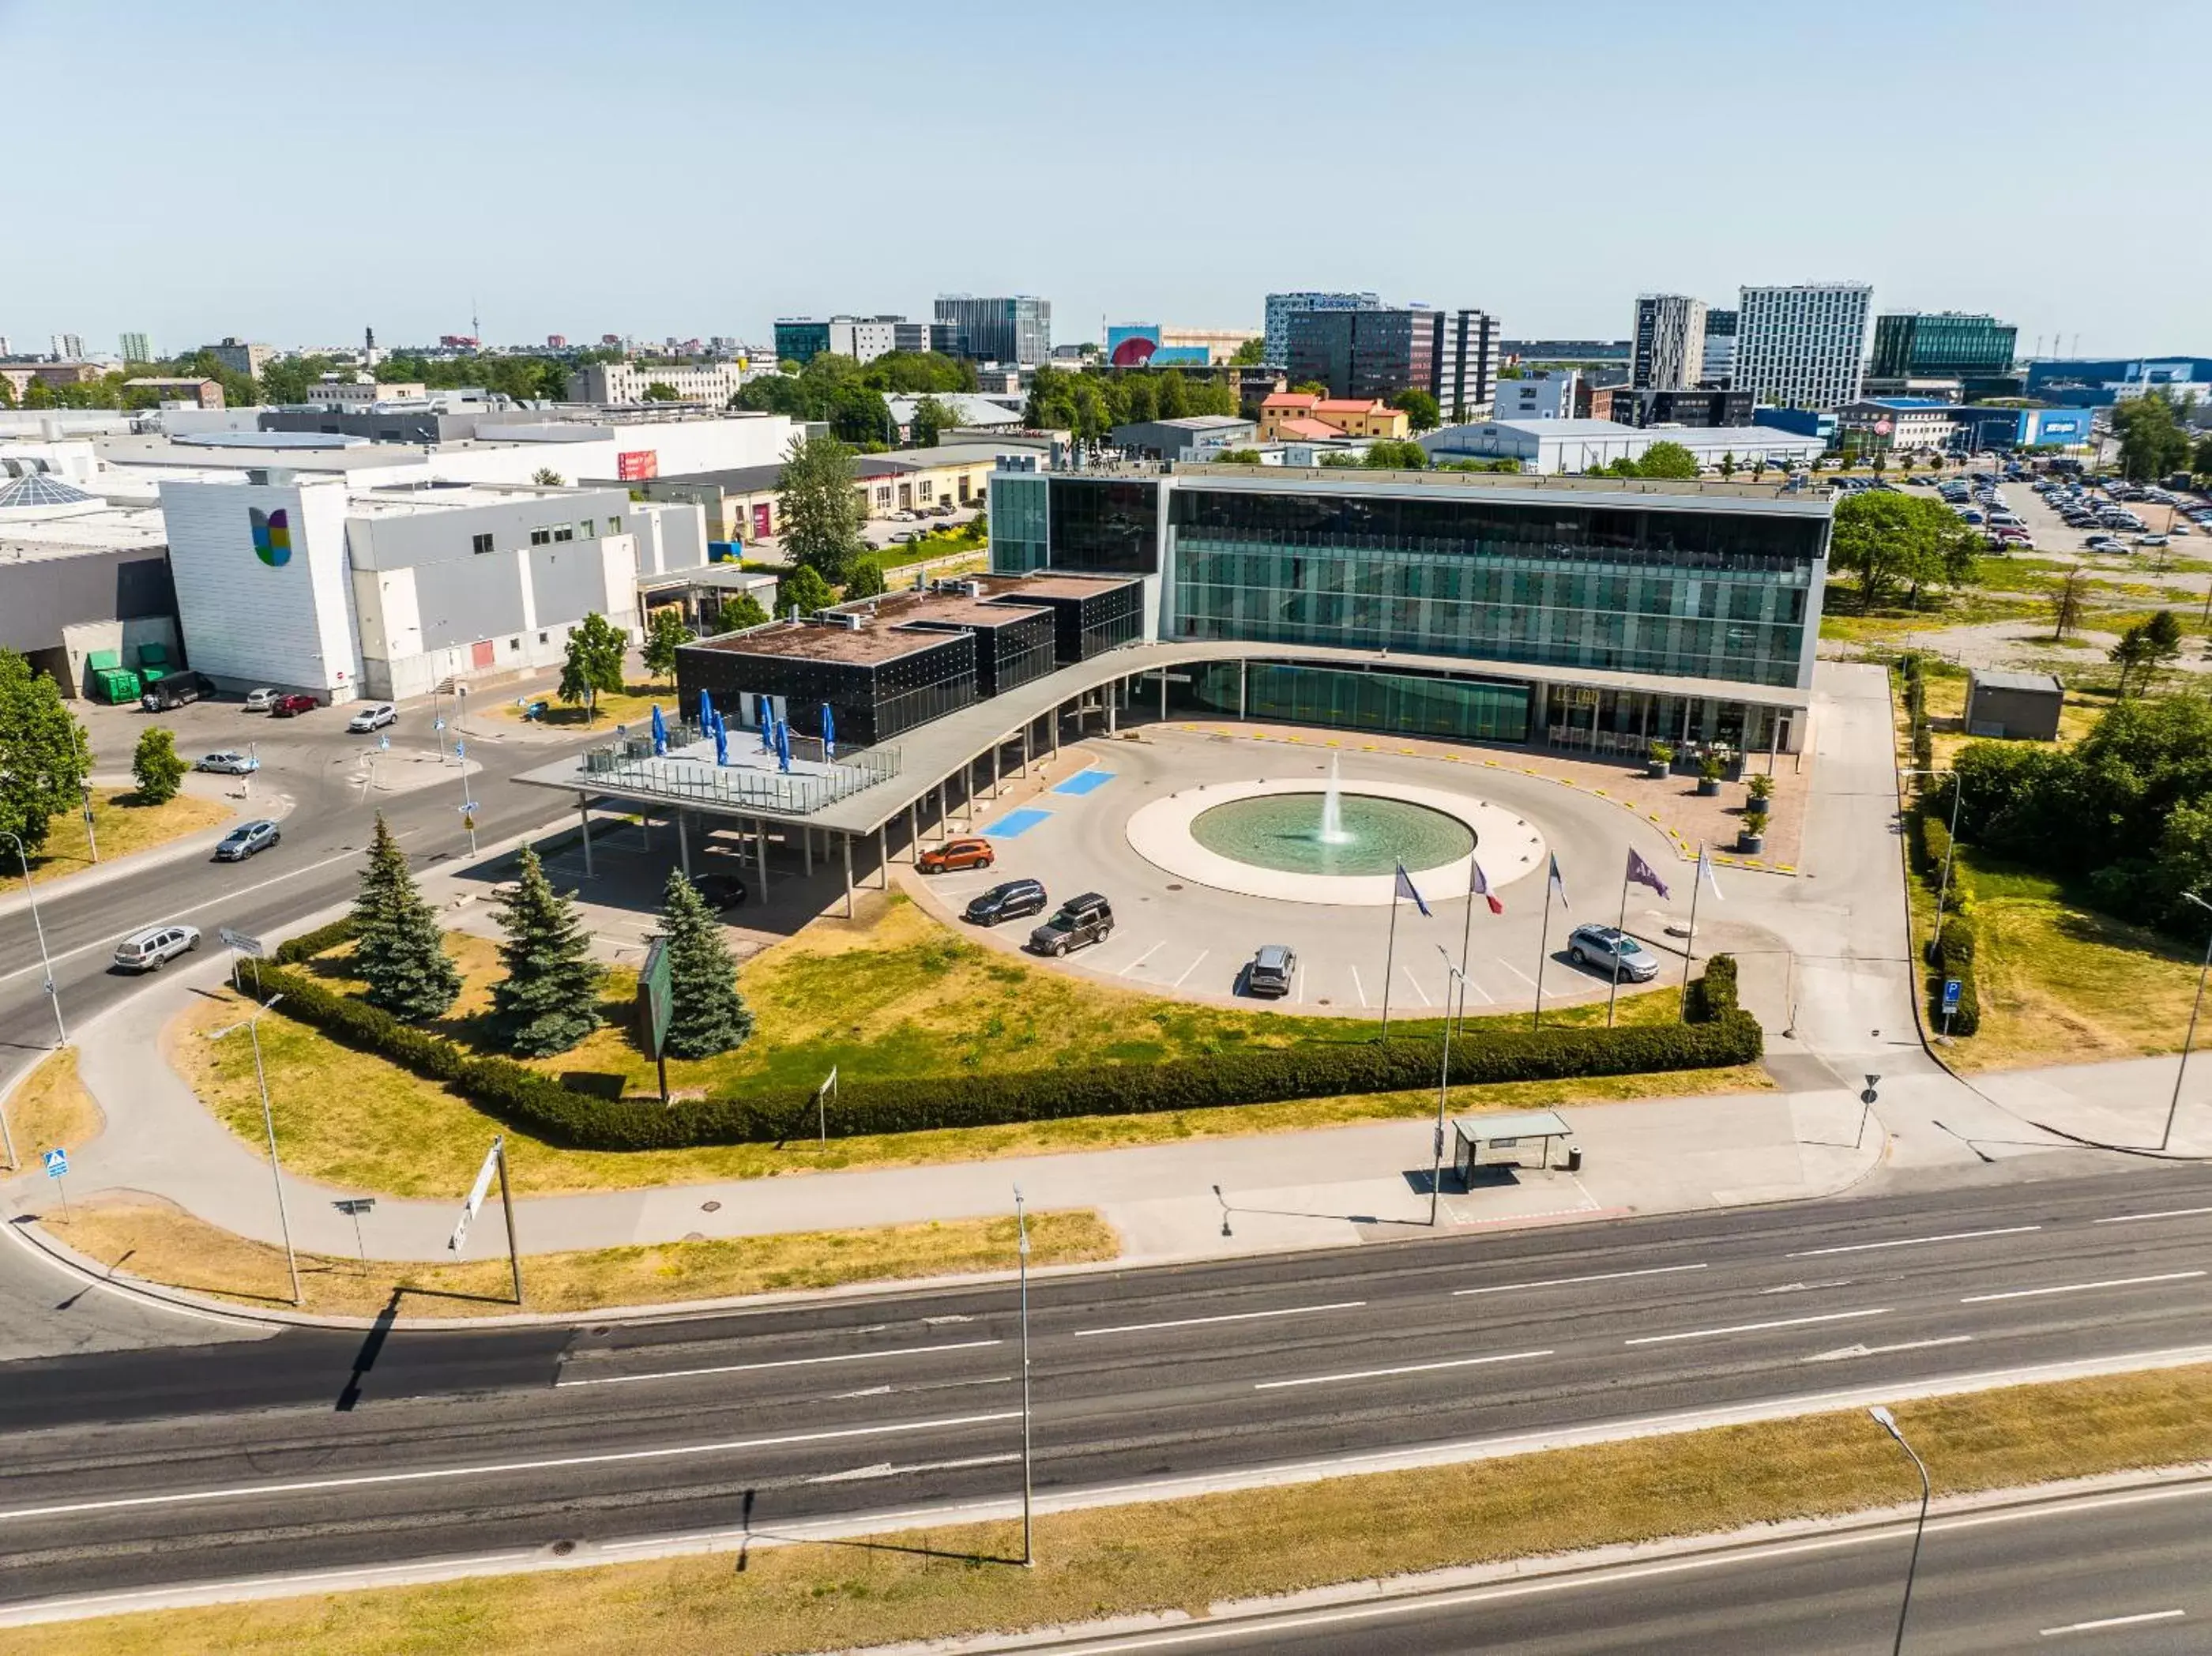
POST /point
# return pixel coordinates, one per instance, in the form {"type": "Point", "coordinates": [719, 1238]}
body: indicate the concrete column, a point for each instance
{"type": "Point", "coordinates": [1024, 770]}
{"type": "Point", "coordinates": [1112, 697]}
{"type": "Point", "coordinates": [645, 829]}
{"type": "Point", "coordinates": [994, 769]}
{"type": "Point", "coordinates": [1056, 729]}
{"type": "Point", "coordinates": [884, 856]}
{"type": "Point", "coordinates": [914, 832]}
{"type": "Point", "coordinates": [682, 844]}
{"type": "Point", "coordinates": [846, 840]}
{"type": "Point", "coordinates": [1163, 695]}
{"type": "Point", "coordinates": [1243, 677]}
{"type": "Point", "coordinates": [584, 830]}
{"type": "Point", "coordinates": [807, 837]}
{"type": "Point", "coordinates": [760, 828]}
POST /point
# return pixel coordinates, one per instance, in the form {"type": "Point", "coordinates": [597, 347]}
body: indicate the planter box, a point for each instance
{"type": "Point", "coordinates": [1750, 844]}
{"type": "Point", "coordinates": [1656, 768]}
{"type": "Point", "coordinates": [1708, 789]}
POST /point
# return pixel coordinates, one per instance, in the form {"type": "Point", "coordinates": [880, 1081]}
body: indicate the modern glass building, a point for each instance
{"type": "Point", "coordinates": [1595, 612]}
{"type": "Point", "coordinates": [1911, 344]}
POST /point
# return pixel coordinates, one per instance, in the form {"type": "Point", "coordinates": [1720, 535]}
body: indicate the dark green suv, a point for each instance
{"type": "Point", "coordinates": [1081, 920]}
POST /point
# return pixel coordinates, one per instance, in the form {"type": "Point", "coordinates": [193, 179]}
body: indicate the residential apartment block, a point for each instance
{"type": "Point", "coordinates": [1803, 346]}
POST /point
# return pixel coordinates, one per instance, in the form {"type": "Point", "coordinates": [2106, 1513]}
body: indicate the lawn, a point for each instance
{"type": "Point", "coordinates": [891, 992]}
{"type": "Point", "coordinates": [154, 1242]}
{"type": "Point", "coordinates": [1190, 1555]}
{"type": "Point", "coordinates": [121, 824]}
{"type": "Point", "coordinates": [632, 705]}
{"type": "Point", "coordinates": [50, 1109]}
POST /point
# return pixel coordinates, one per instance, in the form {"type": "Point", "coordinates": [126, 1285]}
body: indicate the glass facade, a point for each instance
{"type": "Point", "coordinates": [1400, 703]}
{"type": "Point", "coordinates": [1106, 524]}
{"type": "Point", "coordinates": [1911, 343]}
{"type": "Point", "coordinates": [1019, 515]}
{"type": "Point", "coordinates": [1686, 594]}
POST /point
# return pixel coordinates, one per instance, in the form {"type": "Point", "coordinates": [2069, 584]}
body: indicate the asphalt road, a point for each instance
{"type": "Point", "coordinates": [2127, 1574]}
{"type": "Point", "coordinates": [319, 1450]}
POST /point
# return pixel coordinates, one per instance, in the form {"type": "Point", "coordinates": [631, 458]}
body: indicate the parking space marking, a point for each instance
{"type": "Point", "coordinates": [1360, 987]}
{"type": "Point", "coordinates": [1015, 824]}
{"type": "Point", "coordinates": [1193, 966]}
{"type": "Point", "coordinates": [1084, 782]}
{"type": "Point", "coordinates": [1517, 972]}
{"type": "Point", "coordinates": [1141, 959]}
{"type": "Point", "coordinates": [1416, 983]}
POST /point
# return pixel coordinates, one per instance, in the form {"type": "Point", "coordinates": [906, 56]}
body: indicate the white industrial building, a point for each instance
{"type": "Point", "coordinates": [1578, 446]}
{"type": "Point", "coordinates": [310, 582]}
{"type": "Point", "coordinates": [626, 383]}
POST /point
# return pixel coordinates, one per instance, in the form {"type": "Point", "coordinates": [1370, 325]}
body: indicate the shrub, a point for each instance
{"type": "Point", "coordinates": [523, 1099]}
{"type": "Point", "coordinates": [1711, 768]}
{"type": "Point", "coordinates": [157, 767]}
{"type": "Point", "coordinates": [1761, 789]}
{"type": "Point", "coordinates": [1712, 997]}
{"type": "Point", "coordinates": [1660, 754]}
{"type": "Point", "coordinates": [308, 945]}
{"type": "Point", "coordinates": [1754, 822]}
{"type": "Point", "coordinates": [1954, 957]}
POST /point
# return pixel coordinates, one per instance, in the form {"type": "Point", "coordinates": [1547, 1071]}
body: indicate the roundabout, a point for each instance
{"type": "Point", "coordinates": [1336, 842]}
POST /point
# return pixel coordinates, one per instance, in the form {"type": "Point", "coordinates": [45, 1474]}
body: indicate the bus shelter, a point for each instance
{"type": "Point", "coordinates": [1502, 1141]}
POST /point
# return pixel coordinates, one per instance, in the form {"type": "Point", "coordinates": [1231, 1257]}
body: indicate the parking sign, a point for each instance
{"type": "Point", "coordinates": [1950, 995]}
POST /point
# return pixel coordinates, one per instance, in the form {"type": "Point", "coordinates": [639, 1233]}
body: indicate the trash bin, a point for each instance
{"type": "Point", "coordinates": [1574, 1158]}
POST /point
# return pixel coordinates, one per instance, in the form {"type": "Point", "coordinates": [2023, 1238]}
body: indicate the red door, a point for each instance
{"type": "Point", "coordinates": [480, 653]}
{"type": "Point", "coordinates": [760, 521]}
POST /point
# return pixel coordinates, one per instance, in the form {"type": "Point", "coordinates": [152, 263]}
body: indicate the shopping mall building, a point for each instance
{"type": "Point", "coordinates": [1588, 612]}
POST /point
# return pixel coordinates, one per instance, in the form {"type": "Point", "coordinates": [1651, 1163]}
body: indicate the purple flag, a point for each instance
{"type": "Point", "coordinates": [1641, 872]}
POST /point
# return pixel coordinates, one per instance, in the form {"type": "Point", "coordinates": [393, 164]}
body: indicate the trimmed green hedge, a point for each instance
{"type": "Point", "coordinates": [1713, 997]}
{"type": "Point", "coordinates": [1954, 957]}
{"type": "Point", "coordinates": [308, 945]}
{"type": "Point", "coordinates": [535, 1103]}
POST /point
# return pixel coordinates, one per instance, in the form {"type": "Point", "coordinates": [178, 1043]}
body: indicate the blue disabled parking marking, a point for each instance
{"type": "Point", "coordinates": [1014, 824]}
{"type": "Point", "coordinates": [1085, 782]}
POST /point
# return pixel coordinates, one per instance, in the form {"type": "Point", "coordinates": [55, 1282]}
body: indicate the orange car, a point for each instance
{"type": "Point", "coordinates": [959, 854]}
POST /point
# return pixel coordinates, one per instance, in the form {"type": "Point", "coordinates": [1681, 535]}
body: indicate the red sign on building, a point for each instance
{"type": "Point", "coordinates": [636, 464]}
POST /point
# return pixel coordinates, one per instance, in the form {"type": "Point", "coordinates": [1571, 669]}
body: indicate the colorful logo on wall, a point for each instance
{"type": "Point", "coordinates": [272, 536]}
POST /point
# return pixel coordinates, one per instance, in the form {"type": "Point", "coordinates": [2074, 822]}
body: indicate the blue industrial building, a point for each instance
{"type": "Point", "coordinates": [1980, 427]}
{"type": "Point", "coordinates": [2100, 381]}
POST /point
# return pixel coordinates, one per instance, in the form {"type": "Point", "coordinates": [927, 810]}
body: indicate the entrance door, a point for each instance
{"type": "Point", "coordinates": [480, 653]}
{"type": "Point", "coordinates": [760, 521]}
{"type": "Point", "coordinates": [906, 497]}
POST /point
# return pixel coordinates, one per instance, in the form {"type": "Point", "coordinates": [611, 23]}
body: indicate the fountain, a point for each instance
{"type": "Point", "coordinates": [1331, 832]}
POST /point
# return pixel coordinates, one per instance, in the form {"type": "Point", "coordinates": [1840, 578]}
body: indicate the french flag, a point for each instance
{"type": "Point", "coordinates": [1479, 887]}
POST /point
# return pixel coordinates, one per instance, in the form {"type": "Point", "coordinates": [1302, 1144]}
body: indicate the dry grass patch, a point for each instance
{"type": "Point", "coordinates": [122, 825]}
{"type": "Point", "coordinates": [156, 1242]}
{"type": "Point", "coordinates": [1190, 1555]}
{"type": "Point", "coordinates": [50, 1108]}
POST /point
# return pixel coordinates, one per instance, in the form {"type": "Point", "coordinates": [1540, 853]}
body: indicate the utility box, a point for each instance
{"type": "Point", "coordinates": [2016, 705]}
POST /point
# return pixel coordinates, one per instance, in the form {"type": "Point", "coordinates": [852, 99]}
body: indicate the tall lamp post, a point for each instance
{"type": "Point", "coordinates": [1022, 1232]}
{"type": "Point", "coordinates": [1887, 1422]}
{"type": "Point", "coordinates": [2188, 1040]}
{"type": "Point", "coordinates": [1443, 1082]}
{"type": "Point", "coordinates": [252, 1028]}
{"type": "Point", "coordinates": [23, 861]}
{"type": "Point", "coordinates": [1943, 887]}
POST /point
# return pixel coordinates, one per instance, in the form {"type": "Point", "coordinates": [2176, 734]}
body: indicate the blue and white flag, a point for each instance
{"type": "Point", "coordinates": [1405, 889]}
{"type": "Point", "coordinates": [1559, 887]}
{"type": "Point", "coordinates": [1478, 886]}
{"type": "Point", "coordinates": [1705, 871]}
{"type": "Point", "coordinates": [829, 732]}
{"type": "Point", "coordinates": [1641, 872]}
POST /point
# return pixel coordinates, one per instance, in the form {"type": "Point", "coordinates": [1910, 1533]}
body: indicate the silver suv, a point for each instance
{"type": "Point", "coordinates": [1602, 948]}
{"type": "Point", "coordinates": [156, 947]}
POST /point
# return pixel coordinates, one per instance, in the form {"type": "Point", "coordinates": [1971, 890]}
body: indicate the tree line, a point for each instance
{"type": "Point", "coordinates": [849, 395]}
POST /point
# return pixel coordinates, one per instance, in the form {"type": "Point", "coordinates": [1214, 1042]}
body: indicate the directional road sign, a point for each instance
{"type": "Point", "coordinates": [242, 943]}
{"type": "Point", "coordinates": [57, 1162]}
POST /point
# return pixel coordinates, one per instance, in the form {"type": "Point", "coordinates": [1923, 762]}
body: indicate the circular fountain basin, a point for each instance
{"type": "Point", "coordinates": [1262, 838]}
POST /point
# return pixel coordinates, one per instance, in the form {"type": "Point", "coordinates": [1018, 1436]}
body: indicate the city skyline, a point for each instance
{"type": "Point", "coordinates": [551, 232]}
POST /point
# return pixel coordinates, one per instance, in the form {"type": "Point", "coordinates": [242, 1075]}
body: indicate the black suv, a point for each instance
{"type": "Point", "coordinates": [1086, 919]}
{"type": "Point", "coordinates": [1009, 900]}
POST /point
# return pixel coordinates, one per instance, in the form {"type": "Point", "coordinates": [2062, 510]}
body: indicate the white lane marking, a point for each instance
{"type": "Point", "coordinates": [1193, 966]}
{"type": "Point", "coordinates": [493, 1469]}
{"type": "Point", "coordinates": [1415, 984]}
{"type": "Point", "coordinates": [1384, 1373]}
{"type": "Point", "coordinates": [1359, 988]}
{"type": "Point", "coordinates": [1911, 1241]}
{"type": "Point", "coordinates": [885, 1468]}
{"type": "Point", "coordinates": [1141, 959]}
{"type": "Point", "coordinates": [1842, 1352]}
{"type": "Point", "coordinates": [1230, 1317]}
{"type": "Point", "coordinates": [2082, 1288]}
{"type": "Point", "coordinates": [1488, 999]}
{"type": "Point", "coordinates": [1756, 1328]}
{"type": "Point", "coordinates": [2170, 1212]}
{"type": "Point", "coordinates": [1517, 972]}
{"type": "Point", "coordinates": [1570, 1282]}
{"type": "Point", "coordinates": [1808, 1287]}
{"type": "Point", "coordinates": [787, 1362]}
{"type": "Point", "coordinates": [2115, 1621]}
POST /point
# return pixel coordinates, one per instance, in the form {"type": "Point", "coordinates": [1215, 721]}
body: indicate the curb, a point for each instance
{"type": "Point", "coordinates": [110, 869]}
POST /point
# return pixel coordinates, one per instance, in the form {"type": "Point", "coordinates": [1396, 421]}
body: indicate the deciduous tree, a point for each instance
{"type": "Point", "coordinates": [804, 591]}
{"type": "Point", "coordinates": [663, 638]}
{"type": "Point", "coordinates": [42, 758]}
{"type": "Point", "coordinates": [866, 580]}
{"type": "Point", "coordinates": [156, 766]}
{"type": "Point", "coordinates": [593, 662]}
{"type": "Point", "coordinates": [1418, 407]}
{"type": "Point", "coordinates": [819, 503]}
{"type": "Point", "coordinates": [741, 612]}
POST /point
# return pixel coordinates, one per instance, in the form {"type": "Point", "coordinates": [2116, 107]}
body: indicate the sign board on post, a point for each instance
{"type": "Point", "coordinates": [476, 1197]}
{"type": "Point", "coordinates": [652, 983]}
{"type": "Point", "coordinates": [57, 1162]}
{"type": "Point", "coordinates": [249, 947]}
{"type": "Point", "coordinates": [1950, 995]}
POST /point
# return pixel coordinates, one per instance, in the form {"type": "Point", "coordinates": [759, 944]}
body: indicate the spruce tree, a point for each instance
{"type": "Point", "coordinates": [707, 1014]}
{"type": "Point", "coordinates": [397, 946]}
{"type": "Point", "coordinates": [549, 1000]}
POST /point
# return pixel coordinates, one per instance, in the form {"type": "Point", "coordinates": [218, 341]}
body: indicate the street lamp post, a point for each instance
{"type": "Point", "coordinates": [1943, 886]}
{"type": "Point", "coordinates": [1022, 1231]}
{"type": "Point", "coordinates": [252, 1028]}
{"type": "Point", "coordinates": [1887, 1422]}
{"type": "Point", "coordinates": [23, 861]}
{"type": "Point", "coordinates": [2188, 1040]}
{"type": "Point", "coordinates": [1444, 1083]}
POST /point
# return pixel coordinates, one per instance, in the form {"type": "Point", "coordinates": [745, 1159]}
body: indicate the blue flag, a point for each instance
{"type": "Point", "coordinates": [1405, 888]}
{"type": "Point", "coordinates": [829, 732]}
{"type": "Point", "coordinates": [659, 731]}
{"type": "Point", "coordinates": [782, 745]}
{"type": "Point", "coordinates": [705, 714]}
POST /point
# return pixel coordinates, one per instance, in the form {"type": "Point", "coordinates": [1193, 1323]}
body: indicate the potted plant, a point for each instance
{"type": "Point", "coordinates": [1658, 758]}
{"type": "Point", "coordinates": [1709, 774]}
{"type": "Point", "coordinates": [1751, 838]}
{"type": "Point", "coordinates": [1760, 788]}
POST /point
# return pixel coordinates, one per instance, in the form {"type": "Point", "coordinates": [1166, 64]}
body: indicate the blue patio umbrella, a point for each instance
{"type": "Point", "coordinates": [659, 731]}
{"type": "Point", "coordinates": [766, 709]}
{"type": "Point", "coordinates": [706, 713]}
{"type": "Point", "coordinates": [829, 732]}
{"type": "Point", "coordinates": [782, 745]}
{"type": "Point", "coordinates": [721, 742]}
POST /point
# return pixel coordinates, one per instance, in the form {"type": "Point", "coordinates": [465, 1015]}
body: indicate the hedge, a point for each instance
{"type": "Point", "coordinates": [308, 945]}
{"type": "Point", "coordinates": [1713, 997]}
{"type": "Point", "coordinates": [1954, 957]}
{"type": "Point", "coordinates": [535, 1103]}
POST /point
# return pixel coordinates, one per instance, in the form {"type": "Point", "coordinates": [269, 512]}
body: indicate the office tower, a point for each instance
{"type": "Point", "coordinates": [1719, 366]}
{"type": "Point", "coordinates": [1281, 306]}
{"type": "Point", "coordinates": [1011, 328]}
{"type": "Point", "coordinates": [1802, 346]}
{"type": "Point", "coordinates": [1670, 343]}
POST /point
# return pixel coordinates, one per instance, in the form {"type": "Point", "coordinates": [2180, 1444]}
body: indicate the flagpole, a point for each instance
{"type": "Point", "coordinates": [1389, 958]}
{"type": "Point", "coordinates": [1621, 929]}
{"type": "Point", "coordinates": [1690, 943]}
{"type": "Point", "coordinates": [1543, 948]}
{"type": "Point", "coordinates": [1467, 932]}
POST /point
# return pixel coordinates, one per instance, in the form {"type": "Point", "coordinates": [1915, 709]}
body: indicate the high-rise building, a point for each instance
{"type": "Point", "coordinates": [1670, 343]}
{"type": "Point", "coordinates": [137, 348]}
{"type": "Point", "coordinates": [1803, 346]}
{"type": "Point", "coordinates": [241, 357]}
{"type": "Point", "coordinates": [67, 347]}
{"type": "Point", "coordinates": [1917, 344]}
{"type": "Point", "coordinates": [1281, 306]}
{"type": "Point", "coordinates": [1719, 369]}
{"type": "Point", "coordinates": [1465, 375]}
{"type": "Point", "coordinates": [1011, 328]}
{"type": "Point", "coordinates": [864, 338]}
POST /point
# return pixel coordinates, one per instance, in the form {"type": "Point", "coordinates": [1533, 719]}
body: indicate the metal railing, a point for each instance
{"type": "Point", "coordinates": [631, 766]}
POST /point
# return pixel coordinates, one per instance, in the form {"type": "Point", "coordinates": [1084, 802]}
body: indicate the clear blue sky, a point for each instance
{"type": "Point", "coordinates": [292, 172]}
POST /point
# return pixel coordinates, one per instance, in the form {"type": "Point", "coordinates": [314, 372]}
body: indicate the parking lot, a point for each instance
{"type": "Point", "coordinates": [1173, 937]}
